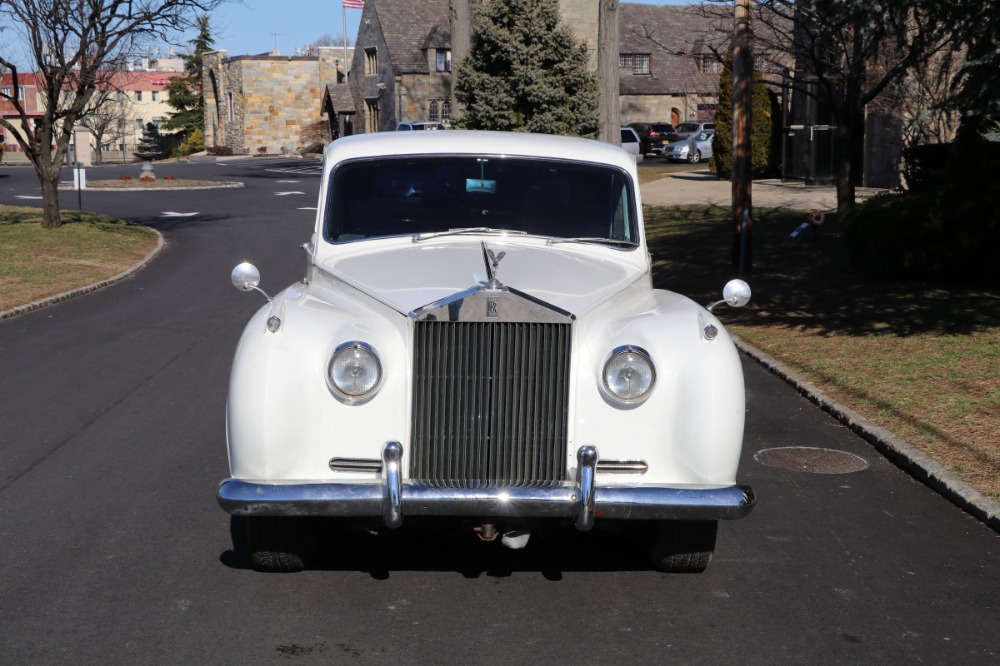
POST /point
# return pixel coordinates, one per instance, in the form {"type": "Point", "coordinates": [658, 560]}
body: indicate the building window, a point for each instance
{"type": "Point", "coordinates": [372, 123]}
{"type": "Point", "coordinates": [138, 124]}
{"type": "Point", "coordinates": [120, 96]}
{"type": "Point", "coordinates": [432, 112]}
{"type": "Point", "coordinates": [633, 63]}
{"type": "Point", "coordinates": [710, 65]}
{"type": "Point", "coordinates": [229, 97]}
{"type": "Point", "coordinates": [156, 96]}
{"type": "Point", "coordinates": [443, 60]}
{"type": "Point", "coordinates": [371, 62]}
{"type": "Point", "coordinates": [446, 112]}
{"type": "Point", "coordinates": [138, 95]}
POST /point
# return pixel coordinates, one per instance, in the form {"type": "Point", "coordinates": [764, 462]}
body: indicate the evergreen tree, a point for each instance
{"type": "Point", "coordinates": [526, 72]}
{"type": "Point", "coordinates": [762, 131]}
{"type": "Point", "coordinates": [186, 94]}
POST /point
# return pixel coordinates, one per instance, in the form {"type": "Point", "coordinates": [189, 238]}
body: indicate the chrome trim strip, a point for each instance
{"type": "Point", "coordinates": [366, 498]}
{"type": "Point", "coordinates": [586, 458]}
{"type": "Point", "coordinates": [356, 464]}
{"type": "Point", "coordinates": [392, 455]}
{"type": "Point", "coordinates": [622, 466]}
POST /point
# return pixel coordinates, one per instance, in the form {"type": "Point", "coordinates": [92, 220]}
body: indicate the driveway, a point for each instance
{"type": "Point", "coordinates": [704, 187]}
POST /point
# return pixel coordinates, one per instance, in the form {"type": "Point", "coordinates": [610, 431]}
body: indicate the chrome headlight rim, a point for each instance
{"type": "Point", "coordinates": [343, 395]}
{"type": "Point", "coordinates": [606, 388]}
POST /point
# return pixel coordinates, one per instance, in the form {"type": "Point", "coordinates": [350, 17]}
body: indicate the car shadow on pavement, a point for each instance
{"type": "Point", "coordinates": [422, 546]}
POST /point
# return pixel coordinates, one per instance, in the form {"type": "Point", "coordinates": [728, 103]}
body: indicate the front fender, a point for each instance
{"type": "Point", "coordinates": [690, 429]}
{"type": "Point", "coordinates": [283, 422]}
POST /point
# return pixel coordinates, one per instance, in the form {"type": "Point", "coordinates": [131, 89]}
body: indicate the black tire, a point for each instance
{"type": "Point", "coordinates": [695, 157]}
{"type": "Point", "coordinates": [279, 544]}
{"type": "Point", "coordinates": [683, 546]}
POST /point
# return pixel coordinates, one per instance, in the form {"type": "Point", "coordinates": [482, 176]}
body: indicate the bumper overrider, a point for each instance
{"type": "Point", "coordinates": [392, 498]}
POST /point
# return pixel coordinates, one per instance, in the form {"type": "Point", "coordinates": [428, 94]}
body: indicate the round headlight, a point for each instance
{"type": "Point", "coordinates": [628, 375]}
{"type": "Point", "coordinates": [355, 371]}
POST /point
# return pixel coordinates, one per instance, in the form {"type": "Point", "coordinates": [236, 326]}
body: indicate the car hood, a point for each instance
{"type": "Point", "coordinates": [573, 277]}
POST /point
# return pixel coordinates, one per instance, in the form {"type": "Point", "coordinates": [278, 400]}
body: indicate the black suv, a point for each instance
{"type": "Point", "coordinates": [652, 136]}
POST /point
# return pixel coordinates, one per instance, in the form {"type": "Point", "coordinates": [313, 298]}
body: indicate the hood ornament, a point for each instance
{"type": "Point", "coordinates": [492, 262]}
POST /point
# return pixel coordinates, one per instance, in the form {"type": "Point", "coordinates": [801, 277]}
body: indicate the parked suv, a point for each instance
{"type": "Point", "coordinates": [653, 136]}
{"type": "Point", "coordinates": [408, 125]}
{"type": "Point", "coordinates": [631, 143]}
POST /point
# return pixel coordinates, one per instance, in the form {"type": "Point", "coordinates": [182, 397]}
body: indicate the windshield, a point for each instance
{"type": "Point", "coordinates": [421, 195]}
{"type": "Point", "coordinates": [689, 127]}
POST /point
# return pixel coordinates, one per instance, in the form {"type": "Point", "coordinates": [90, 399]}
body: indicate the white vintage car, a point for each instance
{"type": "Point", "coordinates": [477, 340]}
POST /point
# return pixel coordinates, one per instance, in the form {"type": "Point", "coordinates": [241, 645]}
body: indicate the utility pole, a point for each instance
{"type": "Point", "coordinates": [607, 72]}
{"type": "Point", "coordinates": [742, 101]}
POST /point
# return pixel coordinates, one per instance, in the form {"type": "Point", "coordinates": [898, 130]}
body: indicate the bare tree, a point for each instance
{"type": "Point", "coordinates": [111, 112]}
{"type": "Point", "coordinates": [847, 52]}
{"type": "Point", "coordinates": [76, 46]}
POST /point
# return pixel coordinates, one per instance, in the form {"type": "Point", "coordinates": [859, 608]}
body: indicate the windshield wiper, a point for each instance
{"type": "Point", "coordinates": [593, 239]}
{"type": "Point", "coordinates": [465, 230]}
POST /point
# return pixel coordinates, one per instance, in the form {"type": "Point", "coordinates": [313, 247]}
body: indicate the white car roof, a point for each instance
{"type": "Point", "coordinates": [471, 142]}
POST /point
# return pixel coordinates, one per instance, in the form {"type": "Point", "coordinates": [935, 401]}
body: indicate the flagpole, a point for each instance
{"type": "Point", "coordinates": [344, 10]}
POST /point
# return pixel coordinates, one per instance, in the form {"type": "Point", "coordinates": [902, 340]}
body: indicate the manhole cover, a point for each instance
{"type": "Point", "coordinates": [807, 459]}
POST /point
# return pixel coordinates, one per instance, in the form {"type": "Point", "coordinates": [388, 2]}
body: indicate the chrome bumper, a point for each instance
{"type": "Point", "coordinates": [393, 498]}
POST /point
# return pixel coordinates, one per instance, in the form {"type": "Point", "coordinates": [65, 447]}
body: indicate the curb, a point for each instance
{"type": "Point", "coordinates": [66, 295]}
{"type": "Point", "coordinates": [909, 459]}
{"type": "Point", "coordinates": [222, 186]}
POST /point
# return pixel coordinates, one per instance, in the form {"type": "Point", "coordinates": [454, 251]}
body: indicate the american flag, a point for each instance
{"type": "Point", "coordinates": [354, 4]}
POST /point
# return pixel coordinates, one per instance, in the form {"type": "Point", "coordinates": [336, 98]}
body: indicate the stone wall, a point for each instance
{"type": "Point", "coordinates": [581, 17]}
{"type": "Point", "coordinates": [261, 104]}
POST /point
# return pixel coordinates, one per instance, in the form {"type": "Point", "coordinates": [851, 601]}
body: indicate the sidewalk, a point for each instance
{"type": "Point", "coordinates": [703, 187]}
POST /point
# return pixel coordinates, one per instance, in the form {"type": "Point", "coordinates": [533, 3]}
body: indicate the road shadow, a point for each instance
{"type": "Point", "coordinates": [804, 282]}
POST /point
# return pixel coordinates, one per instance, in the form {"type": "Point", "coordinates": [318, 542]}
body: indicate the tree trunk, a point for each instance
{"type": "Point", "coordinates": [850, 148]}
{"type": "Point", "coordinates": [51, 218]}
{"type": "Point", "coordinates": [607, 72]}
{"type": "Point", "coordinates": [462, 16]}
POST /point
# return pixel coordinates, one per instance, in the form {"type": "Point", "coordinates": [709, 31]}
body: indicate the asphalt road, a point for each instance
{"type": "Point", "coordinates": [112, 443]}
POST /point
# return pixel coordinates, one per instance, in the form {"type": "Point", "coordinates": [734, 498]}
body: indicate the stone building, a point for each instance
{"type": "Point", "coordinates": [266, 104]}
{"type": "Point", "coordinates": [403, 61]}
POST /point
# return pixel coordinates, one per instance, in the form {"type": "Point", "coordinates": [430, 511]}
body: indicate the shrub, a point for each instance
{"type": "Point", "coordinates": [170, 178]}
{"type": "Point", "coordinates": [125, 176]}
{"type": "Point", "coordinates": [948, 228]}
{"type": "Point", "coordinates": [219, 150]}
{"type": "Point", "coordinates": [147, 179]}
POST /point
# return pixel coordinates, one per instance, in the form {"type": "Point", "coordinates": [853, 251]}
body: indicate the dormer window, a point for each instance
{"type": "Point", "coordinates": [443, 58]}
{"type": "Point", "coordinates": [633, 63]}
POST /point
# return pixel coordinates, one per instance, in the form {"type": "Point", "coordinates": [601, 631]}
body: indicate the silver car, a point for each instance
{"type": "Point", "coordinates": [695, 149]}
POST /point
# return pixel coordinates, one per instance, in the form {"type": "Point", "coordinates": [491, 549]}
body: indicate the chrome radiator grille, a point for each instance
{"type": "Point", "coordinates": [490, 403]}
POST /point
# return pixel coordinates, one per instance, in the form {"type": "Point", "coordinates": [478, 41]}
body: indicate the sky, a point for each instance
{"type": "Point", "coordinates": [250, 27]}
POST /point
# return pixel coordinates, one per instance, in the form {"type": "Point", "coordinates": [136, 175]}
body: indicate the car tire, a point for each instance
{"type": "Point", "coordinates": [278, 544]}
{"type": "Point", "coordinates": [695, 157]}
{"type": "Point", "coordinates": [682, 546]}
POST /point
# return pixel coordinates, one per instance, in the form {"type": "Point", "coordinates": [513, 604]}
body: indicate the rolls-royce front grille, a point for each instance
{"type": "Point", "coordinates": [490, 403]}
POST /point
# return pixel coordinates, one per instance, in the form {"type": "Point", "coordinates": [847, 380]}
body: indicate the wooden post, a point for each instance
{"type": "Point", "coordinates": [742, 102]}
{"type": "Point", "coordinates": [607, 72]}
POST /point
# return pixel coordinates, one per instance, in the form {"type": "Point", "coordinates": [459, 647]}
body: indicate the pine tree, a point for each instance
{"type": "Point", "coordinates": [186, 94]}
{"type": "Point", "coordinates": [526, 72]}
{"type": "Point", "coordinates": [761, 131]}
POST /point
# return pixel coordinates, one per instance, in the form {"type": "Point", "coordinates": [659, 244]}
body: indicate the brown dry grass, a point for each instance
{"type": "Point", "coordinates": [921, 360]}
{"type": "Point", "coordinates": [36, 263]}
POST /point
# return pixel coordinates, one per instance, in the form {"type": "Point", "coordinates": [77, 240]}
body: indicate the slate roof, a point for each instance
{"type": "Point", "coordinates": [409, 27]}
{"type": "Point", "coordinates": [673, 36]}
{"type": "Point", "coordinates": [339, 95]}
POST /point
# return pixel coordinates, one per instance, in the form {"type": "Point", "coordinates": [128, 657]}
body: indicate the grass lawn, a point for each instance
{"type": "Point", "coordinates": [921, 360]}
{"type": "Point", "coordinates": [36, 263]}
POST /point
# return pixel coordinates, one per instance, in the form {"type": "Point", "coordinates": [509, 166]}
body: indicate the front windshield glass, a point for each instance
{"type": "Point", "coordinates": [688, 127]}
{"type": "Point", "coordinates": [420, 195]}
